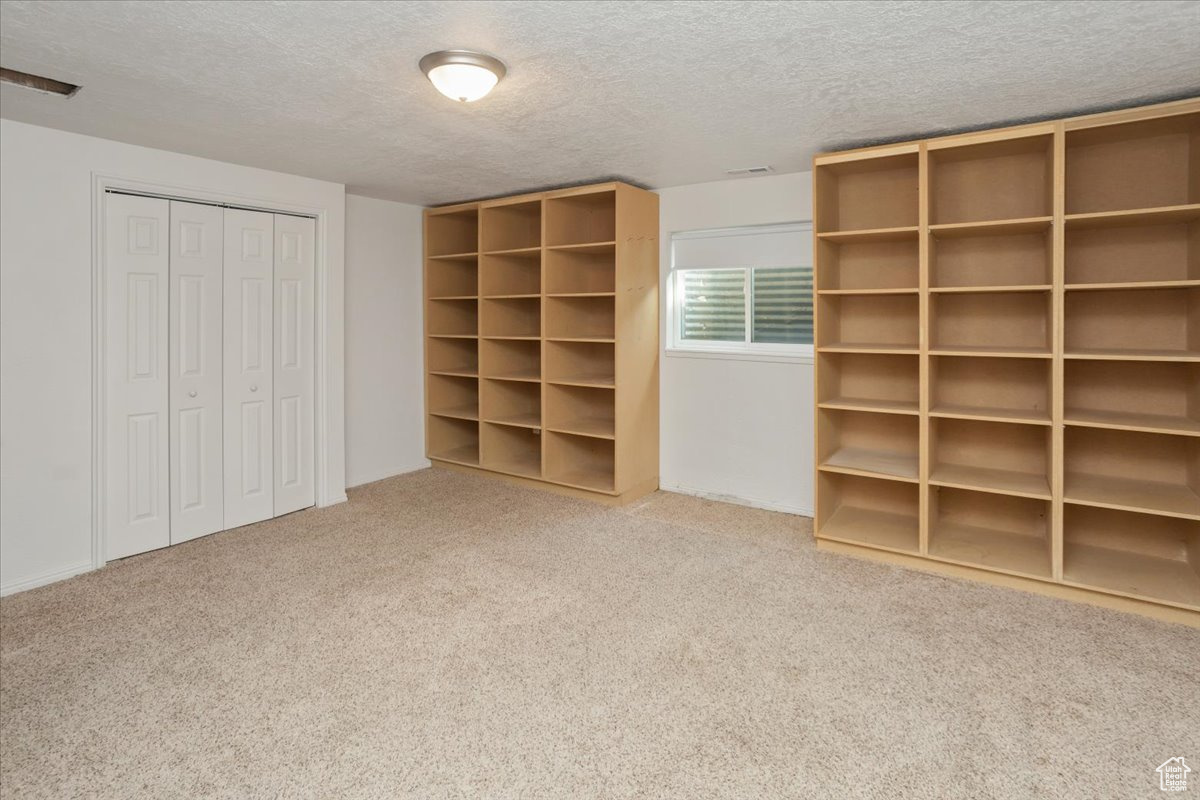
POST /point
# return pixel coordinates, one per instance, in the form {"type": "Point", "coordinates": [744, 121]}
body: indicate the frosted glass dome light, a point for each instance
{"type": "Point", "coordinates": [461, 74]}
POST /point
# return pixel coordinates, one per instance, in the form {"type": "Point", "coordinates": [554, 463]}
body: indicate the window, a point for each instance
{"type": "Point", "coordinates": [742, 290]}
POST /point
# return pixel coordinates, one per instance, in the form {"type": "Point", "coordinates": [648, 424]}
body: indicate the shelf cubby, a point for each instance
{"type": "Point", "coordinates": [455, 440]}
{"type": "Point", "coordinates": [1013, 322]}
{"type": "Point", "coordinates": [869, 444]}
{"type": "Point", "coordinates": [452, 396]}
{"type": "Point", "coordinates": [580, 363]}
{"type": "Point", "coordinates": [869, 382]}
{"type": "Point", "coordinates": [1009, 179]}
{"type": "Point", "coordinates": [451, 232]}
{"type": "Point", "coordinates": [867, 511]}
{"type": "Point", "coordinates": [1136, 323]}
{"type": "Point", "coordinates": [452, 277]}
{"type": "Point", "coordinates": [1014, 390]}
{"type": "Point", "coordinates": [998, 457]}
{"type": "Point", "coordinates": [581, 410]}
{"type": "Point", "coordinates": [1020, 256]}
{"type": "Point", "coordinates": [868, 322]}
{"type": "Point", "coordinates": [585, 462]}
{"type": "Point", "coordinates": [581, 219]}
{"type": "Point", "coordinates": [511, 317]}
{"type": "Point", "coordinates": [1134, 165]}
{"type": "Point", "coordinates": [1132, 471]}
{"type": "Point", "coordinates": [1155, 396]}
{"type": "Point", "coordinates": [510, 274]}
{"type": "Point", "coordinates": [512, 360]}
{"type": "Point", "coordinates": [585, 318]}
{"type": "Point", "coordinates": [511, 450]}
{"type": "Point", "coordinates": [866, 266]}
{"type": "Point", "coordinates": [1123, 255]}
{"type": "Point", "coordinates": [453, 317]}
{"type": "Point", "coordinates": [581, 272]}
{"type": "Point", "coordinates": [992, 531]}
{"type": "Point", "coordinates": [1156, 558]}
{"type": "Point", "coordinates": [453, 356]}
{"type": "Point", "coordinates": [517, 403]}
{"type": "Point", "coordinates": [868, 194]}
{"type": "Point", "coordinates": [510, 226]}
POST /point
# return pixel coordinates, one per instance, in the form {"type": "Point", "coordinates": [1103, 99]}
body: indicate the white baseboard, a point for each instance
{"type": "Point", "coordinates": [424, 463]}
{"type": "Point", "coordinates": [44, 578]}
{"type": "Point", "coordinates": [752, 502]}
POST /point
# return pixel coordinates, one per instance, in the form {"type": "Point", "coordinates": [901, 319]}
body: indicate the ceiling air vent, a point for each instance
{"type": "Point", "coordinates": [37, 82]}
{"type": "Point", "coordinates": [749, 171]}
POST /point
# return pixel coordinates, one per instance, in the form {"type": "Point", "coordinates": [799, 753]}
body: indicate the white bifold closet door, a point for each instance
{"type": "Point", "coordinates": [136, 491]}
{"type": "Point", "coordinates": [195, 368]}
{"type": "Point", "coordinates": [249, 373]}
{"type": "Point", "coordinates": [295, 483]}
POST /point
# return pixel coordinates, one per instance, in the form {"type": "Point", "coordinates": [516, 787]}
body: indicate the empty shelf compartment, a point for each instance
{"type": "Point", "coordinates": [997, 532]}
{"type": "Point", "coordinates": [455, 440]}
{"type": "Point", "coordinates": [868, 194]}
{"type": "Point", "coordinates": [1013, 259]}
{"type": "Point", "coordinates": [584, 462]}
{"type": "Point", "coordinates": [452, 277]}
{"type": "Point", "coordinates": [991, 456]}
{"type": "Point", "coordinates": [580, 363]}
{"type": "Point", "coordinates": [1004, 180]}
{"type": "Point", "coordinates": [581, 410]}
{"type": "Point", "coordinates": [1133, 253]}
{"type": "Point", "coordinates": [869, 512]}
{"type": "Point", "coordinates": [510, 274]}
{"type": "Point", "coordinates": [1134, 165]}
{"type": "Point", "coordinates": [511, 360]}
{"type": "Point", "coordinates": [511, 226]}
{"type": "Point", "coordinates": [1015, 389]}
{"type": "Point", "coordinates": [864, 443]}
{"type": "Point", "coordinates": [1157, 558]}
{"type": "Point", "coordinates": [453, 317]}
{"type": "Point", "coordinates": [451, 232]}
{"type": "Point", "coordinates": [576, 272]}
{"type": "Point", "coordinates": [457, 356]}
{"type": "Point", "coordinates": [580, 318]}
{"type": "Point", "coordinates": [868, 321]}
{"type": "Point", "coordinates": [511, 403]}
{"type": "Point", "coordinates": [1149, 322]}
{"type": "Point", "coordinates": [1016, 322]}
{"type": "Point", "coordinates": [1156, 396]}
{"type": "Point", "coordinates": [869, 382]}
{"type": "Point", "coordinates": [513, 451]}
{"type": "Point", "coordinates": [579, 219]}
{"type": "Point", "coordinates": [453, 396]}
{"type": "Point", "coordinates": [1149, 472]}
{"type": "Point", "coordinates": [868, 265]}
{"type": "Point", "coordinates": [511, 317]}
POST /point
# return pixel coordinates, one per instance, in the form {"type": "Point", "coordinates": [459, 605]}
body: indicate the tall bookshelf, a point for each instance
{"type": "Point", "coordinates": [542, 339]}
{"type": "Point", "coordinates": [1008, 356]}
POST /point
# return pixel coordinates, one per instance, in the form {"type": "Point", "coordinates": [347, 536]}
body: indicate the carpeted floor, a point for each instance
{"type": "Point", "coordinates": [447, 636]}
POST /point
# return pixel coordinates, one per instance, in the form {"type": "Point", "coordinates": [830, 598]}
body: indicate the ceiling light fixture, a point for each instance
{"type": "Point", "coordinates": [462, 75]}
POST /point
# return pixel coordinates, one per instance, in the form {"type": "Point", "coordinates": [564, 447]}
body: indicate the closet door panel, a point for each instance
{"type": "Point", "coordinates": [249, 263]}
{"type": "Point", "coordinates": [195, 384]}
{"type": "Point", "coordinates": [137, 504]}
{"type": "Point", "coordinates": [295, 484]}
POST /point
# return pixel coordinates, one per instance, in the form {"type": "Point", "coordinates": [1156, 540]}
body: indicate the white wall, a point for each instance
{"type": "Point", "coordinates": [385, 428]}
{"type": "Point", "coordinates": [46, 194]}
{"type": "Point", "coordinates": [732, 428]}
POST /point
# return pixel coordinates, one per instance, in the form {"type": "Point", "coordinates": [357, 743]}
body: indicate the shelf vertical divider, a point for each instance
{"type": "Point", "coordinates": [1057, 367]}
{"type": "Point", "coordinates": [542, 337]}
{"type": "Point", "coordinates": [925, 391]}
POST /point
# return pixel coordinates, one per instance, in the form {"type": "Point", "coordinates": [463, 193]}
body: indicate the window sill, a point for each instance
{"type": "Point", "coordinates": [739, 355]}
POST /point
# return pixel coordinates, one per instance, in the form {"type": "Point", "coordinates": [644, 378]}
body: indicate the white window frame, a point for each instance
{"type": "Point", "coordinates": [746, 350]}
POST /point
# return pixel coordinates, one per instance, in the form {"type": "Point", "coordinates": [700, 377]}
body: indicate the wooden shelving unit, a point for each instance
{"type": "Point", "coordinates": [1008, 356]}
{"type": "Point", "coordinates": [542, 339]}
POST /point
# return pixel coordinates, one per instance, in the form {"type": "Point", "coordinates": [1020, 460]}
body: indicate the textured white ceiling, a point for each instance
{"type": "Point", "coordinates": [659, 93]}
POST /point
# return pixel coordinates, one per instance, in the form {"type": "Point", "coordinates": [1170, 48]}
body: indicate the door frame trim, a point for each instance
{"type": "Point", "coordinates": [326, 316]}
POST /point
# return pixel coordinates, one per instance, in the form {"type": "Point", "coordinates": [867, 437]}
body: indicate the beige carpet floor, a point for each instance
{"type": "Point", "coordinates": [448, 636]}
